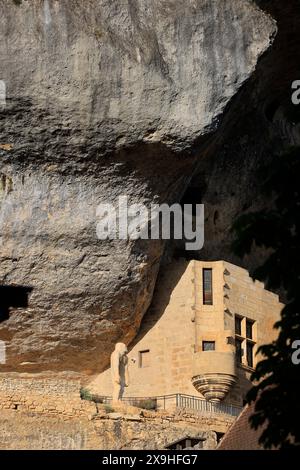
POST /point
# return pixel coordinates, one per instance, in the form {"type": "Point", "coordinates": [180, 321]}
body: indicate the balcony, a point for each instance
{"type": "Point", "coordinates": [214, 374]}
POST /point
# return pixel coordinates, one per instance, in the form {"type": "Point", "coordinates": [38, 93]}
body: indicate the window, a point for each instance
{"type": "Point", "coordinates": [249, 332]}
{"type": "Point", "coordinates": [238, 325]}
{"type": "Point", "coordinates": [238, 350]}
{"type": "Point", "coordinates": [244, 344]}
{"type": "Point", "coordinates": [208, 345]}
{"type": "Point", "coordinates": [144, 358]}
{"type": "Point", "coordinates": [249, 353]}
{"type": "Point", "coordinates": [207, 286]}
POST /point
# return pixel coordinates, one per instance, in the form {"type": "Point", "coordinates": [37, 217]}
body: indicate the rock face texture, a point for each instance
{"type": "Point", "coordinates": [102, 99]}
{"type": "Point", "coordinates": [261, 123]}
{"type": "Point", "coordinates": [50, 430]}
{"type": "Point", "coordinates": [42, 413]}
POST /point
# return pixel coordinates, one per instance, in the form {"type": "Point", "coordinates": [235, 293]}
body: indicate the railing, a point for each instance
{"type": "Point", "coordinates": [180, 401]}
{"type": "Point", "coordinates": [195, 403]}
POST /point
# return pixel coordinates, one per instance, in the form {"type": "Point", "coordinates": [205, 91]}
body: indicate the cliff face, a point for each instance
{"type": "Point", "coordinates": [261, 123]}
{"type": "Point", "coordinates": [102, 99]}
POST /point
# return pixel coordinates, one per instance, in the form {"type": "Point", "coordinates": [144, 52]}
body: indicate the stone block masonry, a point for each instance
{"type": "Point", "coordinates": [168, 355]}
{"type": "Point", "coordinates": [47, 396]}
{"type": "Point", "coordinates": [48, 413]}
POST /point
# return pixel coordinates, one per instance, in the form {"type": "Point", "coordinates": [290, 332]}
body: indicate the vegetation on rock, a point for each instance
{"type": "Point", "coordinates": [278, 230]}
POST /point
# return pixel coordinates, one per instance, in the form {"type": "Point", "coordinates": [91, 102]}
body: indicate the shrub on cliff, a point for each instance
{"type": "Point", "coordinates": [278, 230]}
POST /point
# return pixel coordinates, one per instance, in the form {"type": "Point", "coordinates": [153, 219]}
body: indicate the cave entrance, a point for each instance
{"type": "Point", "coordinates": [13, 297]}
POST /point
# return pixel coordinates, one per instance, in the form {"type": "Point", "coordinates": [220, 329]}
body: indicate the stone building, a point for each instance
{"type": "Point", "coordinates": [201, 335]}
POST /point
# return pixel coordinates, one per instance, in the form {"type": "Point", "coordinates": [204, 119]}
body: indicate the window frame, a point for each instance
{"type": "Point", "coordinates": [245, 341]}
{"type": "Point", "coordinates": [208, 342]}
{"type": "Point", "coordinates": [239, 358]}
{"type": "Point", "coordinates": [238, 318]}
{"type": "Point", "coordinates": [251, 323]}
{"type": "Point", "coordinates": [141, 358]}
{"type": "Point", "coordinates": [205, 292]}
{"type": "Point", "coordinates": [252, 345]}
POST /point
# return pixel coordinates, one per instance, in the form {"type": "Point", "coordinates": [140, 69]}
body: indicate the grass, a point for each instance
{"type": "Point", "coordinates": [85, 394]}
{"type": "Point", "coordinates": [108, 409]}
{"type": "Point", "coordinates": [148, 404]}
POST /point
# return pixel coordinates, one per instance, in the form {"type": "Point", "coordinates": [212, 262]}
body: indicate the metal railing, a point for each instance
{"type": "Point", "coordinates": [195, 403]}
{"type": "Point", "coordinates": [180, 401]}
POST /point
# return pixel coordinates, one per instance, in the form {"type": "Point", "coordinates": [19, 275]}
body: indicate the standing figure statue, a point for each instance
{"type": "Point", "coordinates": [119, 371]}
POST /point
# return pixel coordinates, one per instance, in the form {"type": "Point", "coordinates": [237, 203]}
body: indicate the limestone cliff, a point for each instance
{"type": "Point", "coordinates": [103, 98]}
{"type": "Point", "coordinates": [260, 123]}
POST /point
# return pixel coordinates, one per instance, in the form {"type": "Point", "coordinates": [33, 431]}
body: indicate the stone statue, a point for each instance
{"type": "Point", "coordinates": [119, 371]}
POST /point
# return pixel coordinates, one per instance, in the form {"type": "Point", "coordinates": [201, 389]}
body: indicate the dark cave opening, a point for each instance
{"type": "Point", "coordinates": [13, 297]}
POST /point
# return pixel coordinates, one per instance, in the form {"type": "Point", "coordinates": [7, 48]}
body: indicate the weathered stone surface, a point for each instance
{"type": "Point", "coordinates": [132, 418]}
{"type": "Point", "coordinates": [41, 430]}
{"type": "Point", "coordinates": [46, 413]}
{"type": "Point", "coordinates": [114, 415]}
{"type": "Point", "coordinates": [259, 125]}
{"type": "Point", "coordinates": [103, 99]}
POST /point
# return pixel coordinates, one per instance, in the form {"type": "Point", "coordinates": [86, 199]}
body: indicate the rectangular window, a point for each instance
{"type": "Point", "coordinates": [238, 350]}
{"type": "Point", "coordinates": [144, 358]}
{"type": "Point", "coordinates": [238, 325]}
{"type": "Point", "coordinates": [249, 328]}
{"type": "Point", "coordinates": [244, 338]}
{"type": "Point", "coordinates": [250, 353]}
{"type": "Point", "coordinates": [207, 286]}
{"type": "Point", "coordinates": [208, 345]}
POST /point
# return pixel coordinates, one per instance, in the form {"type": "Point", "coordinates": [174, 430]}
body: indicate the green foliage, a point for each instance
{"type": "Point", "coordinates": [85, 394]}
{"type": "Point", "coordinates": [277, 229]}
{"type": "Point", "coordinates": [108, 409]}
{"type": "Point", "coordinates": [148, 404]}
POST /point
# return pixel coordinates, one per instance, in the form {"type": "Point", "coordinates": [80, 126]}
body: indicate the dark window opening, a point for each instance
{"type": "Point", "coordinates": [144, 358]}
{"type": "Point", "coordinates": [249, 329]}
{"type": "Point", "coordinates": [238, 325]}
{"type": "Point", "coordinates": [207, 286]}
{"type": "Point", "coordinates": [208, 345]}
{"type": "Point", "coordinates": [250, 347]}
{"type": "Point", "coordinates": [238, 350]}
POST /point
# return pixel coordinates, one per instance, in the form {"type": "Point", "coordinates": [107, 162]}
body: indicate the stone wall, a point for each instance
{"type": "Point", "coordinates": [156, 430]}
{"type": "Point", "coordinates": [169, 334]}
{"type": "Point", "coordinates": [48, 396]}
{"type": "Point", "coordinates": [42, 414]}
{"type": "Point", "coordinates": [250, 300]}
{"type": "Point", "coordinates": [178, 322]}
